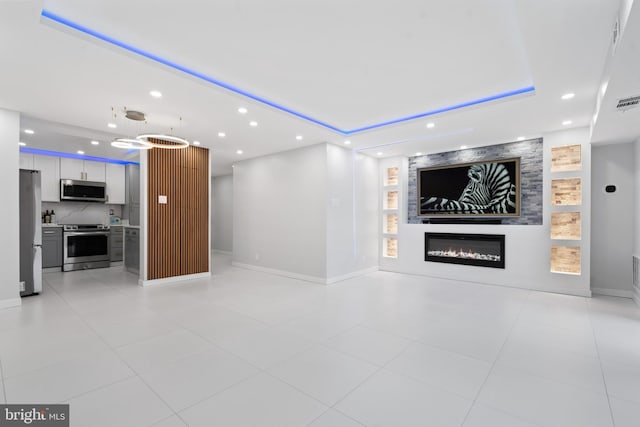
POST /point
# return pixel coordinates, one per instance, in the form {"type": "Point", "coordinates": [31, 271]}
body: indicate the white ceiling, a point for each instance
{"type": "Point", "coordinates": [347, 63]}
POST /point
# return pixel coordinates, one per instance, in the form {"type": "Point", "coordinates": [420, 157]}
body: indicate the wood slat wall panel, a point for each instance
{"type": "Point", "coordinates": [178, 236]}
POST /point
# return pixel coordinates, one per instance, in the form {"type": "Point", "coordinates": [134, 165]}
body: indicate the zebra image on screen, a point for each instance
{"type": "Point", "coordinates": [490, 191]}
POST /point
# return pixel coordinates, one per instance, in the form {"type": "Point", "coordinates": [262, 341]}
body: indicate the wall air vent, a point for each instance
{"type": "Point", "coordinates": [625, 104]}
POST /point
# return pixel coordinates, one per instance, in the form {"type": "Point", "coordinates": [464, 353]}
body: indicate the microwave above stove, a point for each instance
{"type": "Point", "coordinates": [83, 191]}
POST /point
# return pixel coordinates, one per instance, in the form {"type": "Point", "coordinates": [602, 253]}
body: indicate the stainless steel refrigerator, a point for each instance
{"type": "Point", "coordinates": [30, 233]}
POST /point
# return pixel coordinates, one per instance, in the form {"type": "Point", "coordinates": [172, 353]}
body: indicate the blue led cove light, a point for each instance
{"type": "Point", "coordinates": [75, 156]}
{"type": "Point", "coordinates": [63, 21]}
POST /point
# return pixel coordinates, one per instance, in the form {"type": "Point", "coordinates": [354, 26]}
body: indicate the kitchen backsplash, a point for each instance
{"type": "Point", "coordinates": [82, 213]}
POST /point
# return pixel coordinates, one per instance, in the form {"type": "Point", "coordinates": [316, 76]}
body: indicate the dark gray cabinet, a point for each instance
{"type": "Point", "coordinates": [132, 249]}
{"type": "Point", "coordinates": [131, 209]}
{"type": "Point", "coordinates": [116, 238]}
{"type": "Point", "coordinates": [51, 247]}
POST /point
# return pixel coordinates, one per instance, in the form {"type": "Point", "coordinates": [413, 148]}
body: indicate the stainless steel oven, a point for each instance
{"type": "Point", "coordinates": [85, 246]}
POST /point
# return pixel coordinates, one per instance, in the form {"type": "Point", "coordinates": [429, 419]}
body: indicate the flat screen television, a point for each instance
{"type": "Point", "coordinates": [487, 188]}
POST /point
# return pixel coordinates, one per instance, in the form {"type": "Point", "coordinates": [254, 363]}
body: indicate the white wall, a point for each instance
{"type": "Point", "coordinates": [351, 212]}
{"type": "Point", "coordinates": [528, 247]}
{"type": "Point", "coordinates": [612, 216]}
{"type": "Point", "coordinates": [636, 228]}
{"type": "Point", "coordinates": [222, 213]}
{"type": "Point", "coordinates": [9, 209]}
{"type": "Point", "coordinates": [280, 215]}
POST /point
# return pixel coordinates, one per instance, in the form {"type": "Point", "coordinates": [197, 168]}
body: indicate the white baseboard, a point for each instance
{"type": "Point", "coordinates": [612, 292]}
{"type": "Point", "coordinates": [218, 251]}
{"type": "Point", "coordinates": [351, 275]}
{"type": "Point", "coordinates": [169, 280]}
{"type": "Point", "coordinates": [306, 278]}
{"type": "Point", "coordinates": [312, 279]}
{"type": "Point", "coordinates": [11, 302]}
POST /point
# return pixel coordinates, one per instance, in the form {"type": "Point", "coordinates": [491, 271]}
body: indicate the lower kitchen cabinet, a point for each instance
{"type": "Point", "coordinates": [132, 249]}
{"type": "Point", "coordinates": [51, 247]}
{"type": "Point", "coordinates": [117, 243]}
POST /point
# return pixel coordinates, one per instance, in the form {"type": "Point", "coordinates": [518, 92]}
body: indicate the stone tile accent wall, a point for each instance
{"type": "Point", "coordinates": [531, 189]}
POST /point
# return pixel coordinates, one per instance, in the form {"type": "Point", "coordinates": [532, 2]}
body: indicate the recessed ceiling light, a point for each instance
{"type": "Point", "coordinates": [112, 125]}
{"type": "Point", "coordinates": [379, 153]}
{"type": "Point", "coordinates": [196, 142]}
{"type": "Point", "coordinates": [567, 122]}
{"type": "Point", "coordinates": [80, 152]}
{"type": "Point", "coordinates": [299, 137]}
{"type": "Point", "coordinates": [431, 125]}
{"type": "Point", "coordinates": [22, 144]}
{"type": "Point", "coordinates": [95, 142]}
{"type": "Point", "coordinates": [521, 138]}
{"type": "Point", "coordinates": [239, 152]}
{"type": "Point", "coordinates": [242, 110]}
{"type": "Point", "coordinates": [418, 154]}
{"type": "Point", "coordinates": [253, 124]}
{"type": "Point", "coordinates": [156, 94]}
{"type": "Point", "coordinates": [463, 147]}
{"type": "Point", "coordinates": [568, 96]}
{"type": "Point", "coordinates": [222, 134]}
{"type": "Point", "coordinates": [29, 131]}
{"type": "Point", "coordinates": [347, 142]}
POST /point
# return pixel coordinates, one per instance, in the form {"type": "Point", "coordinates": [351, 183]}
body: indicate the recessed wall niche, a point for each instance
{"type": "Point", "coordinates": [390, 249]}
{"type": "Point", "coordinates": [391, 177]}
{"type": "Point", "coordinates": [391, 223]}
{"type": "Point", "coordinates": [566, 158]}
{"type": "Point", "coordinates": [391, 200]}
{"type": "Point", "coordinates": [566, 192]}
{"type": "Point", "coordinates": [565, 259]}
{"type": "Point", "coordinates": [566, 226]}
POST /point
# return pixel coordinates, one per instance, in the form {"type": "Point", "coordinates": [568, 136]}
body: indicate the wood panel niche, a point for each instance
{"type": "Point", "coordinates": [566, 158]}
{"type": "Point", "coordinates": [566, 192]}
{"type": "Point", "coordinates": [566, 226]}
{"type": "Point", "coordinates": [565, 259]}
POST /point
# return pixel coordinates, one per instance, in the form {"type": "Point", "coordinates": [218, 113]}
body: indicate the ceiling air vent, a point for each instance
{"type": "Point", "coordinates": [625, 104]}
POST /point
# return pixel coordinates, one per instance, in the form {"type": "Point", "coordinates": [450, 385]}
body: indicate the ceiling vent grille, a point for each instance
{"type": "Point", "coordinates": [628, 103]}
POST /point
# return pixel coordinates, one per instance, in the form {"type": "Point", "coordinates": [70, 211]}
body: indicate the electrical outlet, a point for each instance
{"type": "Point", "coordinates": [23, 286]}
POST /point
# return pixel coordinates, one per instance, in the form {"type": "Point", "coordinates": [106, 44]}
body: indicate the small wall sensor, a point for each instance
{"type": "Point", "coordinates": [610, 188]}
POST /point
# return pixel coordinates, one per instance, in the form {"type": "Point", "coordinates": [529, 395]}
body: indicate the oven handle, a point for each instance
{"type": "Point", "coordinates": [86, 233]}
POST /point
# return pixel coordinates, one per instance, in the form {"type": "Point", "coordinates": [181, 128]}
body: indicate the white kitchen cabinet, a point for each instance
{"type": "Point", "coordinates": [49, 168]}
{"type": "Point", "coordinates": [26, 161]}
{"type": "Point", "coordinates": [94, 171]}
{"type": "Point", "coordinates": [82, 169]}
{"type": "Point", "coordinates": [115, 183]}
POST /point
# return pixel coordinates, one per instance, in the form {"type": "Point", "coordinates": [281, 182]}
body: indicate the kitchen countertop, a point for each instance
{"type": "Point", "coordinates": [131, 226]}
{"type": "Point", "coordinates": [50, 225]}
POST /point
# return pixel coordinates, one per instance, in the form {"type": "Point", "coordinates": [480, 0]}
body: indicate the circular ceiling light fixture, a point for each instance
{"type": "Point", "coordinates": [253, 124]}
{"type": "Point", "coordinates": [22, 144]}
{"type": "Point", "coordinates": [299, 137]}
{"type": "Point", "coordinates": [156, 94]}
{"type": "Point", "coordinates": [521, 138]}
{"type": "Point", "coordinates": [95, 142]}
{"type": "Point", "coordinates": [242, 110]}
{"type": "Point", "coordinates": [222, 134]}
{"type": "Point", "coordinates": [178, 142]}
{"type": "Point", "coordinates": [347, 142]}
{"type": "Point", "coordinates": [431, 125]}
{"type": "Point", "coordinates": [239, 152]}
{"type": "Point", "coordinates": [567, 96]}
{"type": "Point", "coordinates": [29, 131]}
{"type": "Point", "coordinates": [131, 144]}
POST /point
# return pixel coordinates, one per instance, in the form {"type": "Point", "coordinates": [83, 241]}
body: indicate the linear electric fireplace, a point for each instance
{"type": "Point", "coordinates": [484, 250]}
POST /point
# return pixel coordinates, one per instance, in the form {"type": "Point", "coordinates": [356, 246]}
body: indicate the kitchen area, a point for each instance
{"type": "Point", "coordinates": [76, 213]}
